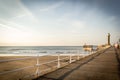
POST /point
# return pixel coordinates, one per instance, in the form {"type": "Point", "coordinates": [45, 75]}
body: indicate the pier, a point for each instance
{"type": "Point", "coordinates": [104, 65]}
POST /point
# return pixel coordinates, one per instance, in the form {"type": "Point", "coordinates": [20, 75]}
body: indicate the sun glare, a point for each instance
{"type": "Point", "coordinates": [16, 36]}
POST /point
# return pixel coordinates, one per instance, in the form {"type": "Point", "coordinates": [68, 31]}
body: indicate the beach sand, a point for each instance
{"type": "Point", "coordinates": [30, 61]}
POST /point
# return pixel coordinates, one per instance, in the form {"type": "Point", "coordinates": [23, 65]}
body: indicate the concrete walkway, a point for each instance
{"type": "Point", "coordinates": [101, 66]}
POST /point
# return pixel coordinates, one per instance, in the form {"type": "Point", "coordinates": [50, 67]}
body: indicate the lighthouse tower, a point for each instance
{"type": "Point", "coordinates": [108, 38]}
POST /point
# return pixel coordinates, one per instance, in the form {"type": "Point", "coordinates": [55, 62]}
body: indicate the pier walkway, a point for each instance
{"type": "Point", "coordinates": [101, 66]}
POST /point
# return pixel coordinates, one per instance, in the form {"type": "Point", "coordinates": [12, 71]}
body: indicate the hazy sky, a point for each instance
{"type": "Point", "coordinates": [58, 22]}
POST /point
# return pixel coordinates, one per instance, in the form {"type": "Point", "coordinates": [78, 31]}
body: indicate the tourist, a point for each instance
{"type": "Point", "coordinates": [116, 45]}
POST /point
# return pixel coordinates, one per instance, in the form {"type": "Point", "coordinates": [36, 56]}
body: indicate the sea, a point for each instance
{"type": "Point", "coordinates": [41, 50]}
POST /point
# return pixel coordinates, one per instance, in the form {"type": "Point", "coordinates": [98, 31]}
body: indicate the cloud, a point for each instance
{"type": "Point", "coordinates": [10, 9]}
{"type": "Point", "coordinates": [72, 22]}
{"type": "Point", "coordinates": [77, 23]}
{"type": "Point", "coordinates": [14, 10]}
{"type": "Point", "coordinates": [9, 24]}
{"type": "Point", "coordinates": [52, 7]}
{"type": "Point", "coordinates": [11, 32]}
{"type": "Point", "coordinates": [26, 12]}
{"type": "Point", "coordinates": [15, 21]}
{"type": "Point", "coordinates": [19, 16]}
{"type": "Point", "coordinates": [4, 26]}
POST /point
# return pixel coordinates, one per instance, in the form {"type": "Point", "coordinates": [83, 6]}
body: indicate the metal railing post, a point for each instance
{"type": "Point", "coordinates": [37, 64]}
{"type": "Point", "coordinates": [58, 65]}
{"type": "Point", "coordinates": [70, 59]}
{"type": "Point", "coordinates": [91, 52]}
{"type": "Point", "coordinates": [78, 58]}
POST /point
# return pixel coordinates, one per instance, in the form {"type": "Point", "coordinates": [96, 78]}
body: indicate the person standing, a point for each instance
{"type": "Point", "coordinates": [116, 46]}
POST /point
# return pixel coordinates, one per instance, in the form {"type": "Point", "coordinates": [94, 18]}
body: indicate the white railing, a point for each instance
{"type": "Point", "coordinates": [68, 57]}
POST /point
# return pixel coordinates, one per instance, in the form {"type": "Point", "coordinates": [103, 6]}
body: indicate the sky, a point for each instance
{"type": "Point", "coordinates": [58, 22]}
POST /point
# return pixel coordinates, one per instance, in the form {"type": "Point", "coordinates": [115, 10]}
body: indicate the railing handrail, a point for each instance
{"type": "Point", "coordinates": [16, 59]}
{"type": "Point", "coordinates": [9, 60]}
{"type": "Point", "coordinates": [37, 64]}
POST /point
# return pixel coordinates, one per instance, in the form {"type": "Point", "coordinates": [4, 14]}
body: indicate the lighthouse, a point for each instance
{"type": "Point", "coordinates": [108, 38]}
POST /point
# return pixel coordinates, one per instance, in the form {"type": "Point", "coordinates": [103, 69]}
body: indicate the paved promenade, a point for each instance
{"type": "Point", "coordinates": [101, 66]}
